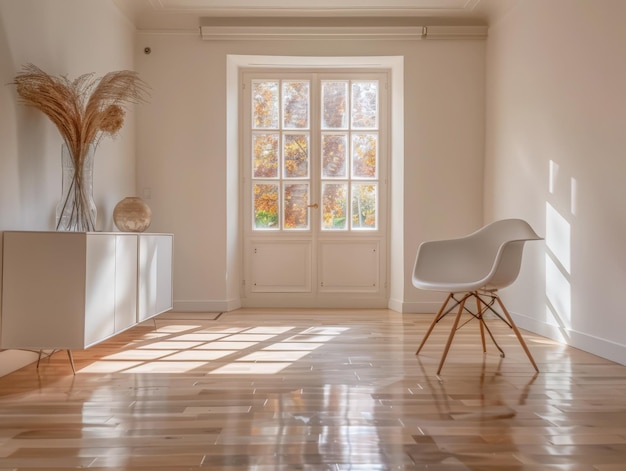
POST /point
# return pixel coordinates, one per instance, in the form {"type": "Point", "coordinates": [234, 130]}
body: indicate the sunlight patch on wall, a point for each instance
{"type": "Point", "coordinates": [553, 174]}
{"type": "Point", "coordinates": [558, 293]}
{"type": "Point", "coordinates": [558, 238]}
{"type": "Point", "coordinates": [573, 196]}
{"type": "Point", "coordinates": [558, 250]}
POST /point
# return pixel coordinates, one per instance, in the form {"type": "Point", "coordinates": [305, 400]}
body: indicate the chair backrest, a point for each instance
{"type": "Point", "coordinates": [510, 234]}
{"type": "Point", "coordinates": [489, 258]}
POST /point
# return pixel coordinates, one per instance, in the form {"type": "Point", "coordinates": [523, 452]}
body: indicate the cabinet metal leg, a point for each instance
{"type": "Point", "coordinates": [39, 358]}
{"type": "Point", "coordinates": [69, 355]}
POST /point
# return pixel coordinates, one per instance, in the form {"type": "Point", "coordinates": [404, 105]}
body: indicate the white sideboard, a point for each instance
{"type": "Point", "coordinates": [71, 290]}
{"type": "Point", "coordinates": [155, 275]}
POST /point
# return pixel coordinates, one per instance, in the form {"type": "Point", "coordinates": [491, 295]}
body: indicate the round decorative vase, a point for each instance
{"type": "Point", "coordinates": [76, 210]}
{"type": "Point", "coordinates": [132, 214]}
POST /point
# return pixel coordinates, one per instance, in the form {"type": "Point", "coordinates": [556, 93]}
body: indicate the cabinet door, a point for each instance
{"type": "Point", "coordinates": [164, 274]}
{"type": "Point", "coordinates": [100, 288]}
{"type": "Point", "coordinates": [43, 302]}
{"type": "Point", "coordinates": [155, 275]}
{"type": "Point", "coordinates": [125, 281]}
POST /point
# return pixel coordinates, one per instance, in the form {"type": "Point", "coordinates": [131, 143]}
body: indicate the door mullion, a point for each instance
{"type": "Point", "coordinates": [314, 212]}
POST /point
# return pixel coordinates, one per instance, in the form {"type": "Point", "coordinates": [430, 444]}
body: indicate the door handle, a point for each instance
{"type": "Point", "coordinates": [314, 206]}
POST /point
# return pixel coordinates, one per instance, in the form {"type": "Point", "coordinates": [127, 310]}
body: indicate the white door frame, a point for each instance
{"type": "Point", "coordinates": [234, 239]}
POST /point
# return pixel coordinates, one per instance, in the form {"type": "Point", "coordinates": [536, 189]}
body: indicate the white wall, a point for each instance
{"type": "Point", "coordinates": [182, 138]}
{"type": "Point", "coordinates": [555, 75]}
{"type": "Point", "coordinates": [69, 37]}
{"type": "Point", "coordinates": [555, 93]}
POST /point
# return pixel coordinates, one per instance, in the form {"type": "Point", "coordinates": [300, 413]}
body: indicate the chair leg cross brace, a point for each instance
{"type": "Point", "coordinates": [482, 307]}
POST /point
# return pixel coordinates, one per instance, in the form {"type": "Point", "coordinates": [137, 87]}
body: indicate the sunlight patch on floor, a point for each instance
{"type": "Point", "coordinates": [180, 348]}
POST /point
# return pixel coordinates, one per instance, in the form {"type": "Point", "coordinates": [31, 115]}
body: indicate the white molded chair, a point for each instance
{"type": "Point", "coordinates": [476, 265]}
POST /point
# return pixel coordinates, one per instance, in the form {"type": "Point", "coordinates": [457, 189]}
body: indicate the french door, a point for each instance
{"type": "Point", "coordinates": [314, 189]}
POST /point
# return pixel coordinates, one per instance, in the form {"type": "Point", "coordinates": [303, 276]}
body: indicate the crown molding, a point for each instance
{"type": "Point", "coordinates": [238, 33]}
{"type": "Point", "coordinates": [456, 32]}
{"type": "Point", "coordinates": [311, 32]}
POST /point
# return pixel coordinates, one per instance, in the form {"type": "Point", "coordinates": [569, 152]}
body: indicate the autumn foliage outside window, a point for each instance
{"type": "Point", "coordinates": [348, 154]}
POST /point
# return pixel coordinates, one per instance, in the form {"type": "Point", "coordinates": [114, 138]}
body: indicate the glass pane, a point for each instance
{"type": "Point", "coordinates": [365, 105]}
{"type": "Point", "coordinates": [265, 105]}
{"type": "Point", "coordinates": [334, 107]}
{"type": "Point", "coordinates": [364, 155]}
{"type": "Point", "coordinates": [266, 206]}
{"type": "Point", "coordinates": [296, 155]}
{"type": "Point", "coordinates": [334, 155]}
{"type": "Point", "coordinates": [296, 199]}
{"type": "Point", "coordinates": [334, 206]}
{"type": "Point", "coordinates": [364, 205]}
{"type": "Point", "coordinates": [296, 105]}
{"type": "Point", "coordinates": [265, 155]}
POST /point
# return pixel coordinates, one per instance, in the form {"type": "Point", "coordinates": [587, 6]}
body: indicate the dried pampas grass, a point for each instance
{"type": "Point", "coordinates": [84, 109]}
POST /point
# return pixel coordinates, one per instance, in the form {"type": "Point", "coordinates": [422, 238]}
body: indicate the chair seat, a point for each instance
{"type": "Point", "coordinates": [460, 287]}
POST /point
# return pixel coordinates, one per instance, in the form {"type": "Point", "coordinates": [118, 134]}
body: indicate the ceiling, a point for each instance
{"type": "Point", "coordinates": [190, 14]}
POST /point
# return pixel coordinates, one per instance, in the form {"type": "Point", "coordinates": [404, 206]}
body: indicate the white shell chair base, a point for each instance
{"type": "Point", "coordinates": [474, 266]}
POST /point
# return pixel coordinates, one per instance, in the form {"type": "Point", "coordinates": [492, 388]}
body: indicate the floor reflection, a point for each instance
{"type": "Point", "coordinates": [263, 390]}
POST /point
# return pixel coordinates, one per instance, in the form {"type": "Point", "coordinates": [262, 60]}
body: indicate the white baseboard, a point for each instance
{"type": "Point", "coordinates": [395, 305]}
{"type": "Point", "coordinates": [232, 304]}
{"type": "Point", "coordinates": [339, 302]}
{"type": "Point", "coordinates": [597, 346]}
{"type": "Point", "coordinates": [207, 306]}
{"type": "Point", "coordinates": [415, 307]}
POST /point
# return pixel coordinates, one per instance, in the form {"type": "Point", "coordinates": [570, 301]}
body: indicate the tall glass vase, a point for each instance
{"type": "Point", "coordinates": [76, 210]}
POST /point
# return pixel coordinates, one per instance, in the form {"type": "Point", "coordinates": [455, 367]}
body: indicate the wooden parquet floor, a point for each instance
{"type": "Point", "coordinates": [313, 390]}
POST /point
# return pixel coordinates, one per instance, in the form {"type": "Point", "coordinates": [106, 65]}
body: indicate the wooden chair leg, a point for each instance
{"type": "Point", "coordinates": [479, 313]}
{"type": "Point", "coordinates": [484, 325]}
{"type": "Point", "coordinates": [453, 331]}
{"type": "Point", "coordinates": [517, 333]}
{"type": "Point", "coordinates": [437, 318]}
